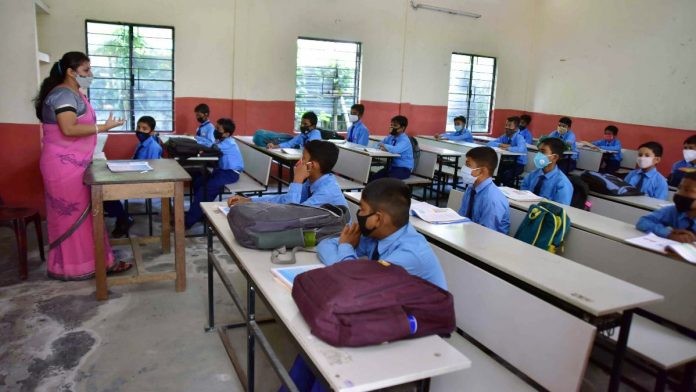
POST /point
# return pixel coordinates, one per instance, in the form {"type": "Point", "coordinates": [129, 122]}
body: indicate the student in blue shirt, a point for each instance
{"type": "Point", "coordinates": [205, 134]}
{"type": "Point", "coordinates": [308, 131]}
{"type": "Point", "coordinates": [646, 177]}
{"type": "Point", "coordinates": [563, 132]}
{"type": "Point", "coordinates": [358, 132]}
{"type": "Point", "coordinates": [313, 183]}
{"type": "Point", "coordinates": [460, 131]}
{"type": "Point", "coordinates": [525, 120]}
{"type": "Point", "coordinates": [676, 222]}
{"type": "Point", "coordinates": [397, 143]}
{"type": "Point", "coordinates": [685, 165]}
{"type": "Point", "coordinates": [611, 162]}
{"type": "Point", "coordinates": [512, 141]}
{"type": "Point", "coordinates": [547, 180]}
{"type": "Point", "coordinates": [230, 165]}
{"type": "Point", "coordinates": [483, 202]}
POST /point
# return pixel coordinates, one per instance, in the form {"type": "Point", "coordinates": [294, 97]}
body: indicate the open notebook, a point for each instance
{"type": "Point", "coordinates": [686, 251]}
{"type": "Point", "coordinates": [519, 195]}
{"type": "Point", "coordinates": [437, 215]}
{"type": "Point", "coordinates": [287, 275]}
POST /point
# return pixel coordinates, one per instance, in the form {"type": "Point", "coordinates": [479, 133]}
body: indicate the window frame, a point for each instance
{"type": "Point", "coordinates": [468, 102]}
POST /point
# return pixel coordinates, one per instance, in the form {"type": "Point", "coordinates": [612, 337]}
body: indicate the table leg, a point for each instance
{"type": "Point", "coordinates": [98, 233]}
{"type": "Point", "coordinates": [179, 250]}
{"type": "Point", "coordinates": [455, 179]}
{"type": "Point", "coordinates": [211, 299]}
{"type": "Point", "coordinates": [166, 228]}
{"type": "Point", "coordinates": [251, 316]}
{"type": "Point", "coordinates": [280, 176]}
{"type": "Point", "coordinates": [620, 352]}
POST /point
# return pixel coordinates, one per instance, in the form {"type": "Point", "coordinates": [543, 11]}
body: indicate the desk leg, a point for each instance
{"type": "Point", "coordinates": [211, 299]}
{"type": "Point", "coordinates": [280, 176]}
{"type": "Point", "coordinates": [166, 228]}
{"type": "Point", "coordinates": [251, 316]}
{"type": "Point", "coordinates": [423, 385]}
{"type": "Point", "coordinates": [455, 179]}
{"type": "Point", "coordinates": [98, 233]}
{"type": "Point", "coordinates": [179, 251]}
{"type": "Point", "coordinates": [620, 352]}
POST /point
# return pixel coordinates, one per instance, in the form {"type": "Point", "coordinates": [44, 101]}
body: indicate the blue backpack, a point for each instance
{"type": "Point", "coordinates": [545, 227]}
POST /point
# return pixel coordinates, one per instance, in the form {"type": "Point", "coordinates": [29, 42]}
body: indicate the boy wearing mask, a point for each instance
{"type": "Point", "coordinates": [205, 133]}
{"type": "Point", "coordinates": [460, 133]}
{"type": "Point", "coordinates": [512, 141]}
{"type": "Point", "coordinates": [358, 132]}
{"type": "Point", "coordinates": [308, 131]}
{"type": "Point", "coordinates": [525, 120]}
{"type": "Point", "coordinates": [397, 143]}
{"type": "Point", "coordinates": [646, 178]}
{"type": "Point", "coordinates": [676, 222]}
{"type": "Point", "coordinates": [611, 162]}
{"type": "Point", "coordinates": [547, 180]}
{"type": "Point", "coordinates": [566, 134]}
{"type": "Point", "coordinates": [687, 164]}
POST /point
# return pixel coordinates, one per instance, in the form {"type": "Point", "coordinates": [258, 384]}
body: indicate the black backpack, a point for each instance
{"type": "Point", "coordinates": [183, 147]}
{"type": "Point", "coordinates": [580, 193]}
{"type": "Point", "coordinates": [609, 184]}
{"type": "Point", "coordinates": [416, 151]}
{"type": "Point", "coordinates": [328, 135]}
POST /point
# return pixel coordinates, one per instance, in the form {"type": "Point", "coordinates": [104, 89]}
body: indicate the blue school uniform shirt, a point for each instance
{"type": "Point", "coordinates": [231, 158]}
{"type": "Point", "coordinates": [568, 138]}
{"type": "Point", "coordinates": [556, 186]}
{"type": "Point", "coordinates": [401, 145]}
{"type": "Point", "coordinates": [405, 247]}
{"type": "Point", "coordinates": [148, 149]}
{"type": "Point", "coordinates": [517, 144]}
{"type": "Point", "coordinates": [610, 145]}
{"type": "Point", "coordinates": [358, 133]}
{"type": "Point", "coordinates": [325, 190]}
{"type": "Point", "coordinates": [527, 135]}
{"type": "Point", "coordinates": [205, 134]}
{"type": "Point", "coordinates": [464, 135]}
{"type": "Point", "coordinates": [491, 207]}
{"type": "Point", "coordinates": [654, 184]}
{"type": "Point", "coordinates": [662, 221]}
{"type": "Point", "coordinates": [677, 175]}
{"type": "Point", "coordinates": [300, 140]}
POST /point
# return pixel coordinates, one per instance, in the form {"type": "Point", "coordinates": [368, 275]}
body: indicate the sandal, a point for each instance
{"type": "Point", "coordinates": [118, 267]}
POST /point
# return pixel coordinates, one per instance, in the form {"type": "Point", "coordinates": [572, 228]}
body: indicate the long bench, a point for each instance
{"type": "Point", "coordinates": [257, 171]}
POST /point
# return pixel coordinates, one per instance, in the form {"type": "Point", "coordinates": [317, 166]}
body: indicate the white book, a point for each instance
{"type": "Point", "coordinates": [374, 150]}
{"type": "Point", "coordinates": [437, 215]}
{"type": "Point", "coordinates": [292, 151]}
{"type": "Point", "coordinates": [286, 275]}
{"type": "Point", "coordinates": [128, 166]}
{"type": "Point", "coordinates": [224, 210]}
{"type": "Point", "coordinates": [687, 251]}
{"type": "Point", "coordinates": [519, 195]}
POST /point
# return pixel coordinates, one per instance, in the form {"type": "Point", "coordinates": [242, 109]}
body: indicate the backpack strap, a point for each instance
{"type": "Point", "coordinates": [287, 258]}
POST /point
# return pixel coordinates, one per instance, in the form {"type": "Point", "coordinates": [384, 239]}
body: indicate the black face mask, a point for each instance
{"type": "Point", "coordinates": [304, 129]}
{"type": "Point", "coordinates": [521, 126]}
{"type": "Point", "coordinates": [683, 203]}
{"type": "Point", "coordinates": [362, 219]}
{"type": "Point", "coordinates": [394, 131]}
{"type": "Point", "coordinates": [141, 136]}
{"type": "Point", "coordinates": [217, 134]}
{"type": "Point", "coordinates": [200, 119]}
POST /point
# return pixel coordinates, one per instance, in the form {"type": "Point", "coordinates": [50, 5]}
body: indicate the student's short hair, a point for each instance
{"type": "Point", "coordinates": [613, 129]}
{"type": "Point", "coordinates": [202, 108]}
{"type": "Point", "coordinates": [690, 140]}
{"type": "Point", "coordinates": [460, 118]}
{"type": "Point", "coordinates": [360, 108]}
{"type": "Point", "coordinates": [556, 145]}
{"type": "Point", "coordinates": [526, 118]}
{"type": "Point", "coordinates": [227, 125]}
{"type": "Point", "coordinates": [311, 117]}
{"type": "Point", "coordinates": [401, 120]}
{"type": "Point", "coordinates": [689, 176]}
{"type": "Point", "coordinates": [655, 147]}
{"type": "Point", "coordinates": [566, 120]}
{"type": "Point", "coordinates": [484, 157]}
{"type": "Point", "coordinates": [324, 153]}
{"type": "Point", "coordinates": [149, 121]}
{"type": "Point", "coordinates": [514, 119]}
{"type": "Point", "coordinates": [389, 195]}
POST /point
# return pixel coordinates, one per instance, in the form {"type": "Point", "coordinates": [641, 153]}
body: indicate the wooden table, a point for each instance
{"type": "Point", "coordinates": [165, 181]}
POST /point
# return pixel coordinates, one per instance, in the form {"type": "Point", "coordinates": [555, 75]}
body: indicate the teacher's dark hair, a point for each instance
{"type": "Point", "coordinates": [70, 60]}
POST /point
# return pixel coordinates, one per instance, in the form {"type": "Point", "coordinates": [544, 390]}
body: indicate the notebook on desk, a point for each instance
{"type": "Point", "coordinates": [128, 166]}
{"type": "Point", "coordinates": [519, 195]}
{"type": "Point", "coordinates": [686, 251]}
{"type": "Point", "coordinates": [286, 275]}
{"type": "Point", "coordinates": [436, 215]}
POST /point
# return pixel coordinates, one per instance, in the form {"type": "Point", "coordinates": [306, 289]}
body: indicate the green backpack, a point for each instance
{"type": "Point", "coordinates": [545, 227]}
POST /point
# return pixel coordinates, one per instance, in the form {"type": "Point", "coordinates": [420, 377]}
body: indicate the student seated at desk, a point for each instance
{"type": "Point", "coordinates": [512, 141]}
{"type": "Point", "coordinates": [460, 132]}
{"type": "Point", "coordinates": [205, 133]}
{"type": "Point", "coordinates": [148, 148]}
{"type": "Point", "coordinates": [358, 132]}
{"type": "Point", "coordinates": [397, 143]}
{"type": "Point", "coordinates": [685, 165]}
{"type": "Point", "coordinates": [676, 222]}
{"type": "Point", "coordinates": [313, 183]}
{"type": "Point", "coordinates": [547, 180]}
{"type": "Point", "coordinates": [230, 165]}
{"type": "Point", "coordinates": [483, 202]}
{"type": "Point", "coordinates": [611, 162]}
{"type": "Point", "coordinates": [646, 178]}
{"type": "Point", "coordinates": [525, 120]}
{"type": "Point", "coordinates": [563, 132]}
{"type": "Point", "coordinates": [308, 131]}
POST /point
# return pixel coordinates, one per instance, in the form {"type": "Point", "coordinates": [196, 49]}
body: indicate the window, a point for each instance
{"type": "Point", "coordinates": [133, 69]}
{"type": "Point", "coordinates": [471, 85]}
{"type": "Point", "coordinates": [327, 81]}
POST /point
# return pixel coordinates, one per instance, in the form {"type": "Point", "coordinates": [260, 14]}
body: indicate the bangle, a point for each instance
{"type": "Point", "coordinates": [96, 128]}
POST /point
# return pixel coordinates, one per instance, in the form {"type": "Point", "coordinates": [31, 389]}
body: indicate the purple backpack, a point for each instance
{"type": "Point", "coordinates": [362, 302]}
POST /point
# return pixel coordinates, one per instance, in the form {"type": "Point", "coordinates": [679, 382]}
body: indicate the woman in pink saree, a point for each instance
{"type": "Point", "coordinates": [69, 137]}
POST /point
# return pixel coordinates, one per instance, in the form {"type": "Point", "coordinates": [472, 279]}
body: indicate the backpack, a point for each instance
{"type": "Point", "coordinates": [273, 226]}
{"type": "Point", "coordinates": [416, 151]}
{"type": "Point", "coordinates": [262, 137]}
{"type": "Point", "coordinates": [609, 184]}
{"type": "Point", "coordinates": [580, 193]}
{"type": "Point", "coordinates": [362, 302]}
{"type": "Point", "coordinates": [328, 135]}
{"type": "Point", "coordinates": [545, 226]}
{"type": "Point", "coordinates": [183, 147]}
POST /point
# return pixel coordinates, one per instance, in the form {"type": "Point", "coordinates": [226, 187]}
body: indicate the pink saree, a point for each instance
{"type": "Point", "coordinates": [63, 163]}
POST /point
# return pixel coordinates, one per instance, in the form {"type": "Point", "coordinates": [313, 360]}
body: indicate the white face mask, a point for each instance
{"type": "Point", "coordinates": [467, 176]}
{"type": "Point", "coordinates": [689, 155]}
{"type": "Point", "coordinates": [644, 162]}
{"type": "Point", "coordinates": [353, 118]}
{"type": "Point", "coordinates": [84, 81]}
{"type": "Point", "coordinates": [458, 128]}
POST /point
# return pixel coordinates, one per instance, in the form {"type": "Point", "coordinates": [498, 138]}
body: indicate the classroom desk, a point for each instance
{"type": "Point", "coordinates": [599, 242]}
{"type": "Point", "coordinates": [624, 208]}
{"type": "Point", "coordinates": [445, 157]}
{"type": "Point", "coordinates": [283, 159]}
{"type": "Point", "coordinates": [166, 180]}
{"type": "Point", "coordinates": [590, 158]}
{"type": "Point", "coordinates": [343, 368]}
{"type": "Point", "coordinates": [589, 294]}
{"type": "Point", "coordinates": [484, 138]}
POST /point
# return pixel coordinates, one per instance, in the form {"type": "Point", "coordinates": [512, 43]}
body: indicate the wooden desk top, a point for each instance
{"type": "Point", "coordinates": [164, 170]}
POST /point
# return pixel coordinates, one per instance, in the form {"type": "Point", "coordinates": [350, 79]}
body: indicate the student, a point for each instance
{"type": "Point", "coordinates": [308, 131]}
{"type": "Point", "coordinates": [646, 177]}
{"type": "Point", "coordinates": [148, 148]}
{"type": "Point", "coordinates": [611, 162]}
{"type": "Point", "coordinates": [547, 180]}
{"type": "Point", "coordinates": [563, 132]}
{"type": "Point", "coordinates": [525, 120]}
{"type": "Point", "coordinates": [511, 141]}
{"type": "Point", "coordinates": [205, 134]}
{"type": "Point", "coordinates": [397, 142]}
{"type": "Point", "coordinates": [358, 132]}
{"type": "Point", "coordinates": [483, 202]}
{"type": "Point", "coordinates": [230, 165]}
{"type": "Point", "coordinates": [676, 222]}
{"type": "Point", "coordinates": [460, 131]}
{"type": "Point", "coordinates": [689, 161]}
{"type": "Point", "coordinates": [313, 183]}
